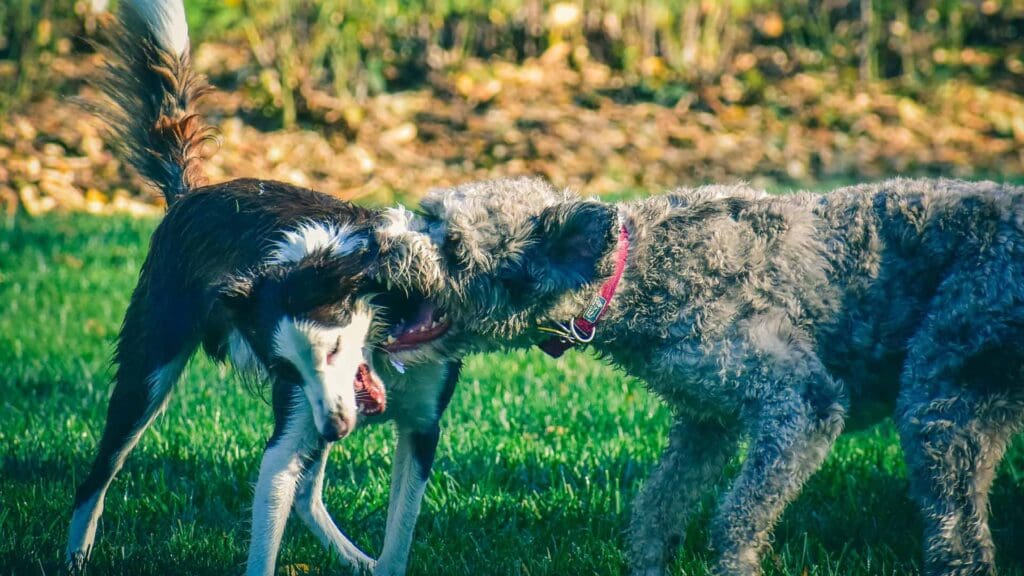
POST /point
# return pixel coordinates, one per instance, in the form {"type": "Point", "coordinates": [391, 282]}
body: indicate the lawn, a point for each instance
{"type": "Point", "coordinates": [537, 465]}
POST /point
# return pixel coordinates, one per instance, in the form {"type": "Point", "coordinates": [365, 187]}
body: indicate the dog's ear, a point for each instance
{"type": "Point", "coordinates": [571, 237]}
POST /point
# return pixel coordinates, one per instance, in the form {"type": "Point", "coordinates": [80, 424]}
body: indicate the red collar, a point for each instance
{"type": "Point", "coordinates": [582, 328]}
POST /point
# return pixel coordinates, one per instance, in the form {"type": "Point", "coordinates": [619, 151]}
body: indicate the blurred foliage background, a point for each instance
{"type": "Point", "coordinates": [352, 48]}
{"type": "Point", "coordinates": [321, 64]}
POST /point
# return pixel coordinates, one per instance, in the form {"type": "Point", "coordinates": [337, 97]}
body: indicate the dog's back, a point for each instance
{"type": "Point", "coordinates": [239, 219]}
{"type": "Point", "coordinates": [896, 249]}
{"type": "Point", "coordinates": [858, 268]}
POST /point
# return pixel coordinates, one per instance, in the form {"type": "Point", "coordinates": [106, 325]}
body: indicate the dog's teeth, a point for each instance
{"type": "Point", "coordinates": [398, 365]}
{"type": "Point", "coordinates": [390, 340]}
{"type": "Point", "coordinates": [433, 324]}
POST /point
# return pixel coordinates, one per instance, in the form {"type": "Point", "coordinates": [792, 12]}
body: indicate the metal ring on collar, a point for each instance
{"type": "Point", "coordinates": [578, 337]}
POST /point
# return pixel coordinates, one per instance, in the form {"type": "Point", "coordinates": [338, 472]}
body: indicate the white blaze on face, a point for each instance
{"type": "Point", "coordinates": [327, 358]}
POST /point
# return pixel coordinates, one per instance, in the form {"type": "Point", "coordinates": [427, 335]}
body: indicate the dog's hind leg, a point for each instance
{"type": "Point", "coordinates": [954, 432]}
{"type": "Point", "coordinates": [309, 505]}
{"type": "Point", "coordinates": [140, 393]}
{"type": "Point", "coordinates": [797, 419]}
{"type": "Point", "coordinates": [697, 454]}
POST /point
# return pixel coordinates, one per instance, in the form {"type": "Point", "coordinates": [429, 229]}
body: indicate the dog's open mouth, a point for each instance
{"type": "Point", "coordinates": [370, 395]}
{"type": "Point", "coordinates": [427, 324]}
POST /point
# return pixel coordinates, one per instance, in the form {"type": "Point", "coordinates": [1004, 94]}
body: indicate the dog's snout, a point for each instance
{"type": "Point", "coordinates": [335, 427]}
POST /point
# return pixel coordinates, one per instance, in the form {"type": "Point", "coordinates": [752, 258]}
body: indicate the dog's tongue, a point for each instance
{"type": "Point", "coordinates": [370, 395]}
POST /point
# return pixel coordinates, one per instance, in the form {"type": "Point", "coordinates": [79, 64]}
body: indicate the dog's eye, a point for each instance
{"type": "Point", "coordinates": [287, 371]}
{"type": "Point", "coordinates": [334, 352]}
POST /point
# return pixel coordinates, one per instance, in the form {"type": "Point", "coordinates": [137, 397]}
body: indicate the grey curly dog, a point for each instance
{"type": "Point", "coordinates": [773, 320]}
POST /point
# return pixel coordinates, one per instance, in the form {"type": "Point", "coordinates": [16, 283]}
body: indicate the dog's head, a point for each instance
{"type": "Point", "coordinates": [489, 258]}
{"type": "Point", "coordinates": [304, 319]}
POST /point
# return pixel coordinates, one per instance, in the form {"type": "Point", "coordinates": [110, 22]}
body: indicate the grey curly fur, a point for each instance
{"type": "Point", "coordinates": [774, 320]}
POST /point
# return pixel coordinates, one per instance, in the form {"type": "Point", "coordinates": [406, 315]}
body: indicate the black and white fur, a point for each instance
{"type": "Point", "coordinates": [268, 275]}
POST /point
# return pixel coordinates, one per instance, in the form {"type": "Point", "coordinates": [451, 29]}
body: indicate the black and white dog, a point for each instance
{"type": "Point", "coordinates": [275, 278]}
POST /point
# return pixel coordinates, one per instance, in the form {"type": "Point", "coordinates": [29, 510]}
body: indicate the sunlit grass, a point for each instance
{"type": "Point", "coordinates": [537, 466]}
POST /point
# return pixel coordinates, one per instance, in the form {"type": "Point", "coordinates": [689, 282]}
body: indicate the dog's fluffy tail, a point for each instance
{"type": "Point", "coordinates": [151, 91]}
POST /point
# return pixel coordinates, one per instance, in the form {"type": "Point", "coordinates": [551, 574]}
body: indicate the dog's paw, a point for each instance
{"type": "Point", "coordinates": [75, 564]}
{"type": "Point", "coordinates": [388, 569]}
{"type": "Point", "coordinates": [648, 571]}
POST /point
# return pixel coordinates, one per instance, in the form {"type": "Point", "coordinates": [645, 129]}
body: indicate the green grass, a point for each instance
{"type": "Point", "coordinates": [538, 464]}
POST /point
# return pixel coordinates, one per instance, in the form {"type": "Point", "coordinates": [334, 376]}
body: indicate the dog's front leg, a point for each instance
{"type": "Point", "coordinates": [294, 436]}
{"type": "Point", "coordinates": [414, 457]}
{"type": "Point", "coordinates": [309, 505]}
{"type": "Point", "coordinates": [697, 454]}
{"type": "Point", "coordinates": [794, 426]}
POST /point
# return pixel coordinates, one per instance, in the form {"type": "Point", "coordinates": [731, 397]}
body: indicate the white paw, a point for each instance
{"type": "Point", "coordinates": [388, 569]}
{"type": "Point", "coordinates": [76, 562]}
{"type": "Point", "coordinates": [364, 566]}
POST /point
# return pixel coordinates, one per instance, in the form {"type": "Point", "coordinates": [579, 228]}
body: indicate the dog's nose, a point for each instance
{"type": "Point", "coordinates": [335, 427]}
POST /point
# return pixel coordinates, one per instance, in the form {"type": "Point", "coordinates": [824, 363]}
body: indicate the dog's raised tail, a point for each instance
{"type": "Point", "coordinates": [151, 91]}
